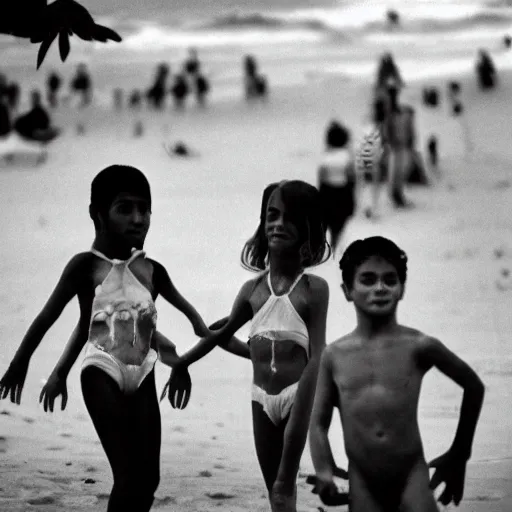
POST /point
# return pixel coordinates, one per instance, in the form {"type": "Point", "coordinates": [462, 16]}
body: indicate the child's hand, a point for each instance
{"type": "Point", "coordinates": [54, 387]}
{"type": "Point", "coordinates": [179, 386]}
{"type": "Point", "coordinates": [450, 469]}
{"type": "Point", "coordinates": [219, 324]}
{"type": "Point", "coordinates": [13, 381]}
{"type": "Point", "coordinates": [327, 489]}
{"type": "Point", "coordinates": [201, 330]}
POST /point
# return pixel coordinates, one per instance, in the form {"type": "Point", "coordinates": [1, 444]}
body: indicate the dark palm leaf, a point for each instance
{"type": "Point", "coordinates": [45, 46]}
{"type": "Point", "coordinates": [64, 45]}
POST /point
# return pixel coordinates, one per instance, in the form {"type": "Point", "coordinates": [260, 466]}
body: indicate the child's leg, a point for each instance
{"type": "Point", "coordinates": [147, 426]}
{"type": "Point", "coordinates": [124, 439]}
{"type": "Point", "coordinates": [361, 498]}
{"type": "Point", "coordinates": [268, 439]}
{"type": "Point", "coordinates": [417, 495]}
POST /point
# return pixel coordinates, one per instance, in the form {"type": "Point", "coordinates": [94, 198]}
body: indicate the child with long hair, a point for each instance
{"type": "Point", "coordinates": [116, 286]}
{"type": "Point", "coordinates": [288, 309]}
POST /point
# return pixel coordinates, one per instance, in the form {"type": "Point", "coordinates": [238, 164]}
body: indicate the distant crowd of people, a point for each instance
{"type": "Point", "coordinates": [387, 151]}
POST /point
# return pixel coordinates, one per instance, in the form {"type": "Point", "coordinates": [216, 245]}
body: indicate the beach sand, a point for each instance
{"type": "Point", "coordinates": [458, 238]}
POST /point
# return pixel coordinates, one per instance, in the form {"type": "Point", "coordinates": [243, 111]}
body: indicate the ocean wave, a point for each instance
{"type": "Point", "coordinates": [358, 18]}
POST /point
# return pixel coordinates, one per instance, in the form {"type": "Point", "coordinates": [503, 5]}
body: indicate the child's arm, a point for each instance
{"type": "Point", "coordinates": [321, 417]}
{"type": "Point", "coordinates": [452, 465]}
{"type": "Point", "coordinates": [233, 345]}
{"type": "Point", "coordinates": [67, 287]}
{"type": "Point", "coordinates": [240, 315]}
{"type": "Point", "coordinates": [166, 349]}
{"type": "Point", "coordinates": [168, 291]}
{"type": "Point", "coordinates": [303, 402]}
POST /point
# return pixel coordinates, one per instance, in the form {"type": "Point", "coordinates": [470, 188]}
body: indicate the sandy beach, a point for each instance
{"type": "Point", "coordinates": [458, 238]}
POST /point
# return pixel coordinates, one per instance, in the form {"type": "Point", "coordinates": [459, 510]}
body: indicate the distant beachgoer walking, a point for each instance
{"type": "Point", "coordinates": [180, 90]}
{"type": "Point", "coordinates": [53, 85]}
{"type": "Point", "coordinates": [337, 181]}
{"type": "Point", "coordinates": [156, 94]}
{"type": "Point", "coordinates": [81, 84]}
{"type": "Point", "coordinates": [192, 65]}
{"type": "Point", "coordinates": [255, 83]}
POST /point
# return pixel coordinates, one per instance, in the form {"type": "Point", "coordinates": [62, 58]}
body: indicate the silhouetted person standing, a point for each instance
{"type": "Point", "coordinates": [53, 84]}
{"type": "Point", "coordinates": [180, 90]}
{"type": "Point", "coordinates": [157, 92]}
{"type": "Point", "coordinates": [82, 84]}
{"type": "Point", "coordinates": [192, 65]}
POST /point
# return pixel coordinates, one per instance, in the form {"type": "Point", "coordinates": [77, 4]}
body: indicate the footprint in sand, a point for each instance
{"type": "Point", "coordinates": [162, 502]}
{"type": "Point", "coordinates": [5, 412]}
{"type": "Point", "coordinates": [178, 429]}
{"type": "Point", "coordinates": [29, 420]}
{"type": "Point", "coordinates": [218, 466]}
{"type": "Point", "coordinates": [79, 501]}
{"type": "Point", "coordinates": [42, 500]}
{"type": "Point", "coordinates": [219, 495]}
{"type": "Point", "coordinates": [91, 469]}
{"type": "Point", "coordinates": [219, 424]}
{"type": "Point", "coordinates": [3, 444]}
{"type": "Point", "coordinates": [65, 434]}
{"type": "Point", "coordinates": [205, 473]}
{"type": "Point", "coordinates": [55, 448]}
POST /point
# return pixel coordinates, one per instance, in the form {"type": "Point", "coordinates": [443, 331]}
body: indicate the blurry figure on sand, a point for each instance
{"type": "Point", "coordinates": [373, 376]}
{"type": "Point", "coordinates": [158, 91]}
{"type": "Point", "coordinates": [116, 286]}
{"type": "Point", "coordinates": [53, 84]}
{"type": "Point", "coordinates": [81, 84]}
{"type": "Point", "coordinates": [457, 111]}
{"type": "Point", "coordinates": [337, 181]}
{"type": "Point", "coordinates": [35, 125]}
{"type": "Point", "coordinates": [180, 90]}
{"type": "Point", "coordinates": [28, 135]}
{"type": "Point", "coordinates": [486, 71]}
{"type": "Point", "coordinates": [255, 83]}
{"type": "Point", "coordinates": [287, 309]}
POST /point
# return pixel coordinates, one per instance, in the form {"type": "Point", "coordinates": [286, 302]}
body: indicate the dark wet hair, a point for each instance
{"type": "Point", "coordinates": [361, 250]}
{"type": "Point", "coordinates": [110, 182]}
{"type": "Point", "coordinates": [303, 204]}
{"type": "Point", "coordinates": [337, 136]}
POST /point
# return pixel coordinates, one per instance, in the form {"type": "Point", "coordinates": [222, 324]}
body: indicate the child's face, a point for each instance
{"type": "Point", "coordinates": [128, 218]}
{"type": "Point", "coordinates": [282, 234]}
{"type": "Point", "coordinates": [376, 288]}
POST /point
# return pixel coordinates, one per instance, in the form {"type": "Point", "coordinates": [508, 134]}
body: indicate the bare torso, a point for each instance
{"type": "Point", "coordinates": [378, 384]}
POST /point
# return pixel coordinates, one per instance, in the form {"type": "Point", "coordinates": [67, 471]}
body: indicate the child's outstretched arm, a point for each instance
{"type": "Point", "coordinates": [233, 345]}
{"type": "Point", "coordinates": [240, 315]}
{"type": "Point", "coordinates": [321, 417]}
{"type": "Point", "coordinates": [303, 402]}
{"type": "Point", "coordinates": [168, 291]}
{"type": "Point", "coordinates": [67, 287]}
{"type": "Point", "coordinates": [451, 466]}
{"type": "Point", "coordinates": [166, 349]}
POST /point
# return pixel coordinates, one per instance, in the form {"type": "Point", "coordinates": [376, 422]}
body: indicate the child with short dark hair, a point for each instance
{"type": "Point", "coordinates": [373, 375]}
{"type": "Point", "coordinates": [116, 286]}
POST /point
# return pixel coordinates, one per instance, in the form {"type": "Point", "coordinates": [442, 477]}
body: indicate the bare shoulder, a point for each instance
{"type": "Point", "coordinates": [252, 286]}
{"type": "Point", "coordinates": [318, 287]}
{"type": "Point", "coordinates": [159, 270]}
{"type": "Point", "coordinates": [80, 263]}
{"type": "Point", "coordinates": [341, 345]}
